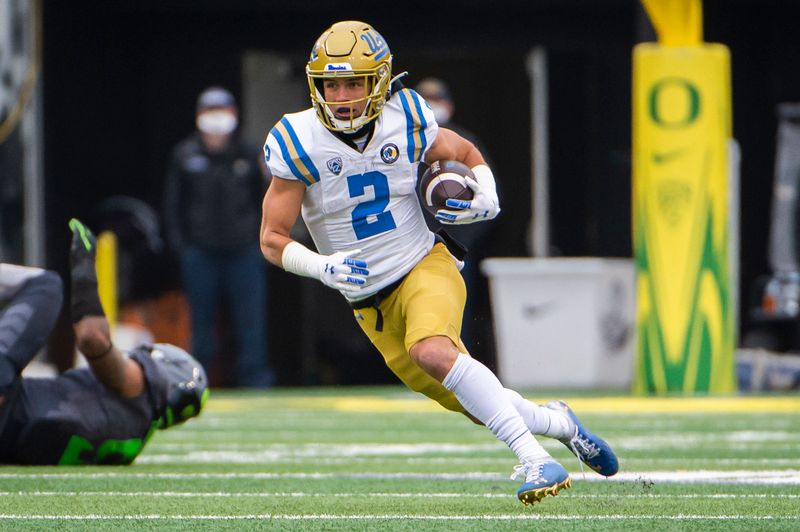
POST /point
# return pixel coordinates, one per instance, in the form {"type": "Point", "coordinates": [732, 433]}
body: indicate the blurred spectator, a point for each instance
{"type": "Point", "coordinates": [476, 328]}
{"type": "Point", "coordinates": [212, 216]}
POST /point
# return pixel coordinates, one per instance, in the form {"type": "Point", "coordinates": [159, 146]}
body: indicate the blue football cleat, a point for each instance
{"type": "Point", "coordinates": [589, 449]}
{"type": "Point", "coordinates": [541, 479]}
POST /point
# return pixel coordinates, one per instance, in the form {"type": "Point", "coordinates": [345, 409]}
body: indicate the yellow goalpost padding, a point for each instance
{"type": "Point", "coordinates": [107, 275]}
{"type": "Point", "coordinates": [681, 130]}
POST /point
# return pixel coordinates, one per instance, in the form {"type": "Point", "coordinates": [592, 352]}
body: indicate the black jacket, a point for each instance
{"type": "Point", "coordinates": [213, 201]}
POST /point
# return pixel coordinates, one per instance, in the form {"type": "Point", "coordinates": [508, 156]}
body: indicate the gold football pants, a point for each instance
{"type": "Point", "coordinates": [429, 302]}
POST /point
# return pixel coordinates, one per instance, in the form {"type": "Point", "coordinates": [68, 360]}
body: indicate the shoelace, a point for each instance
{"type": "Point", "coordinates": [589, 449]}
{"type": "Point", "coordinates": [529, 470]}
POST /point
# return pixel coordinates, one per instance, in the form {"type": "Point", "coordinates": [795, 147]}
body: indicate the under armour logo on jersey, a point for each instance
{"type": "Point", "coordinates": [335, 165]}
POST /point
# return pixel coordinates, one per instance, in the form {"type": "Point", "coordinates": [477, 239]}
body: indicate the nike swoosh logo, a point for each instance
{"type": "Point", "coordinates": [662, 157]}
{"type": "Point", "coordinates": [535, 310]}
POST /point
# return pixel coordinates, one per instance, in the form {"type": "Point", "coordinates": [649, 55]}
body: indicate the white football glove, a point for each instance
{"type": "Point", "coordinates": [341, 272]}
{"type": "Point", "coordinates": [338, 270]}
{"type": "Point", "coordinates": [484, 204]}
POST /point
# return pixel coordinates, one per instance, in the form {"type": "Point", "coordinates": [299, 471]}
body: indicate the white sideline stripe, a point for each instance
{"type": "Point", "coordinates": [261, 458]}
{"type": "Point", "coordinates": [766, 477]}
{"type": "Point", "coordinates": [332, 517]}
{"type": "Point", "coordinates": [301, 494]}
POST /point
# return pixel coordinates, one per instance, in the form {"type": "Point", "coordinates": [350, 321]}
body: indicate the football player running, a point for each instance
{"type": "Point", "coordinates": [349, 164]}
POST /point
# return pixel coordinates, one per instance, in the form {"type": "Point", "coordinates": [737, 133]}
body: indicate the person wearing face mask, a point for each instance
{"type": "Point", "coordinates": [477, 325]}
{"type": "Point", "coordinates": [212, 214]}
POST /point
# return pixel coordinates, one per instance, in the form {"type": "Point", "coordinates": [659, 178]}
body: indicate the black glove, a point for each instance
{"type": "Point", "coordinates": [84, 298]}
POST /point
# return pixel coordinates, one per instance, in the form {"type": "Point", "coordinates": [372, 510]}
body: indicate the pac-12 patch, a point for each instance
{"type": "Point", "coordinates": [335, 165]}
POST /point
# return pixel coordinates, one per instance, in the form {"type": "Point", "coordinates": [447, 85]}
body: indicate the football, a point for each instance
{"type": "Point", "coordinates": [444, 180]}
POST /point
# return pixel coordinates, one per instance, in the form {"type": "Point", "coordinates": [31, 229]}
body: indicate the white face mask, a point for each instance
{"type": "Point", "coordinates": [217, 122]}
{"type": "Point", "coordinates": [440, 113]}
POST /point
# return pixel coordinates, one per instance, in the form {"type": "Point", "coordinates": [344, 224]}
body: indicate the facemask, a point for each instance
{"type": "Point", "coordinates": [440, 113]}
{"type": "Point", "coordinates": [217, 122]}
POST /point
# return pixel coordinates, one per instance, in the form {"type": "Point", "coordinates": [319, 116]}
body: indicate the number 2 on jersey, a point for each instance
{"type": "Point", "coordinates": [369, 217]}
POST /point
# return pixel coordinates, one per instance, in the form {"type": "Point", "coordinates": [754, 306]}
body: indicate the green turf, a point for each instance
{"type": "Point", "coordinates": [384, 459]}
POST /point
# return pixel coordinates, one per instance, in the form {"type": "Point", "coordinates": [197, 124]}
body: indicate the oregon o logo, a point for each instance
{"type": "Point", "coordinates": [665, 105]}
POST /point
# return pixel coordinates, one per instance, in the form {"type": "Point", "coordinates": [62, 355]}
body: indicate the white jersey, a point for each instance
{"type": "Point", "coordinates": [358, 200]}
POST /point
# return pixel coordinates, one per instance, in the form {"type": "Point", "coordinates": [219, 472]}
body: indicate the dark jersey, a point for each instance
{"type": "Point", "coordinates": [75, 419]}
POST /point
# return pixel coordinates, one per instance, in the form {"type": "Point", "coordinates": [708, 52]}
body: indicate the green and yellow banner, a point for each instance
{"type": "Point", "coordinates": [681, 130]}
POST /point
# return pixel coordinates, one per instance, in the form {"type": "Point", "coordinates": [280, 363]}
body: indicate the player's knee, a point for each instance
{"type": "Point", "coordinates": [435, 355]}
{"type": "Point", "coordinates": [44, 292]}
{"type": "Point", "coordinates": [49, 284]}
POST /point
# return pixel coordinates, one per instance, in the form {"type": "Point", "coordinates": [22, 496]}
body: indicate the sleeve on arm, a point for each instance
{"type": "Point", "coordinates": [433, 127]}
{"type": "Point", "coordinates": [421, 126]}
{"type": "Point", "coordinates": [286, 155]}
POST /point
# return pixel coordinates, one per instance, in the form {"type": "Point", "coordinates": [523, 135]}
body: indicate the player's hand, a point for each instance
{"type": "Point", "coordinates": [343, 272]}
{"type": "Point", "coordinates": [83, 240]}
{"type": "Point", "coordinates": [84, 300]}
{"type": "Point", "coordinates": [484, 205]}
{"type": "Point", "coordinates": [82, 252]}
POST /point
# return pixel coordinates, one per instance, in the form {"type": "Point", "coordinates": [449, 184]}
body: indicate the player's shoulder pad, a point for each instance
{"type": "Point", "coordinates": [288, 146]}
{"type": "Point", "coordinates": [421, 125]}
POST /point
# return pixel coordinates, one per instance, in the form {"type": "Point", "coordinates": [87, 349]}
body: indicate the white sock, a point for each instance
{"type": "Point", "coordinates": [540, 419]}
{"type": "Point", "coordinates": [481, 394]}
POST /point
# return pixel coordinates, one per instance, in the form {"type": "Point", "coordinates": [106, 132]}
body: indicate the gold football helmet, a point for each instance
{"type": "Point", "coordinates": [345, 50]}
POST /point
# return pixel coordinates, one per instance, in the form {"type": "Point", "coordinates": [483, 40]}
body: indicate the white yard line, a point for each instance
{"type": "Point", "coordinates": [765, 477]}
{"type": "Point", "coordinates": [500, 461]}
{"type": "Point", "coordinates": [335, 517]}
{"type": "Point", "coordinates": [389, 495]}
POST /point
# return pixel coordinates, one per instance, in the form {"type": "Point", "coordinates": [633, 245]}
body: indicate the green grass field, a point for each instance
{"type": "Point", "coordinates": [383, 458]}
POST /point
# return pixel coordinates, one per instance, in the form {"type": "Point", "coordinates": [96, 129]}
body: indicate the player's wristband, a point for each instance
{"type": "Point", "coordinates": [101, 355]}
{"type": "Point", "coordinates": [298, 259]}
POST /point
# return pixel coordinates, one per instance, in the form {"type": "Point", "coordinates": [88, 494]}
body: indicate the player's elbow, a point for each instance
{"type": "Point", "coordinates": [271, 247]}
